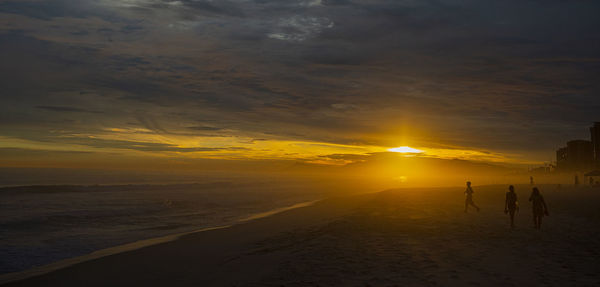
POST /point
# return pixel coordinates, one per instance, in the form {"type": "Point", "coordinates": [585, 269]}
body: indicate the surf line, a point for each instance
{"type": "Point", "coordinates": [44, 269]}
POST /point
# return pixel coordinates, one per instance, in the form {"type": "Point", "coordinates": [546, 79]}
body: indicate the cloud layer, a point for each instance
{"type": "Point", "coordinates": [509, 77]}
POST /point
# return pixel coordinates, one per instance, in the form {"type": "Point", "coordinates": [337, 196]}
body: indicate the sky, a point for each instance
{"type": "Point", "coordinates": [138, 83]}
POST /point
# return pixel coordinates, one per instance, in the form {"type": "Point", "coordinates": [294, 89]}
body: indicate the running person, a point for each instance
{"type": "Point", "coordinates": [469, 199]}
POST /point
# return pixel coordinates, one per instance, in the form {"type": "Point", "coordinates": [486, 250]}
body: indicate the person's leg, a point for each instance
{"type": "Point", "coordinates": [476, 207]}
{"type": "Point", "coordinates": [512, 218]}
{"type": "Point", "coordinates": [466, 205]}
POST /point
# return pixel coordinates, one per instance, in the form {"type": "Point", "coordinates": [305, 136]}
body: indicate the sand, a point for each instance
{"type": "Point", "coordinates": [405, 237]}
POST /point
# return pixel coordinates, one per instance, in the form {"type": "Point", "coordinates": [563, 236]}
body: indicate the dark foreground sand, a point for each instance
{"type": "Point", "coordinates": [417, 237]}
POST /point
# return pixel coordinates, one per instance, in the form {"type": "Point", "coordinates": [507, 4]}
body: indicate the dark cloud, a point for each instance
{"type": "Point", "coordinates": [221, 7]}
{"type": "Point", "coordinates": [28, 152]}
{"type": "Point", "coordinates": [67, 109]}
{"type": "Point", "coordinates": [135, 145]}
{"type": "Point", "coordinates": [204, 128]}
{"type": "Point", "coordinates": [151, 124]}
{"type": "Point", "coordinates": [470, 73]}
{"type": "Point", "coordinates": [46, 10]}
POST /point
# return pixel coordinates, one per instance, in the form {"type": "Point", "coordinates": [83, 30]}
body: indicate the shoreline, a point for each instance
{"type": "Point", "coordinates": [64, 263]}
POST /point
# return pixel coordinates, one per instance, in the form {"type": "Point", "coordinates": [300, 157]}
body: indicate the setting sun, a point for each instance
{"type": "Point", "coordinates": [405, 149]}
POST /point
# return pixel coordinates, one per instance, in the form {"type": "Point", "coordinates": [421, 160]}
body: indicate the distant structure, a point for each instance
{"type": "Point", "coordinates": [561, 158]}
{"type": "Point", "coordinates": [546, 168]}
{"type": "Point", "coordinates": [580, 155]}
{"type": "Point", "coordinates": [595, 132]}
{"type": "Point", "coordinates": [576, 156]}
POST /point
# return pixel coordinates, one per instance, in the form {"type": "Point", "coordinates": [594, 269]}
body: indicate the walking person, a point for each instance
{"type": "Point", "coordinates": [469, 200]}
{"type": "Point", "coordinates": [539, 207]}
{"type": "Point", "coordinates": [511, 205]}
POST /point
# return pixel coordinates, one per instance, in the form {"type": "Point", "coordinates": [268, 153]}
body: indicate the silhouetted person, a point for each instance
{"type": "Point", "coordinates": [511, 205]}
{"type": "Point", "coordinates": [539, 207]}
{"type": "Point", "coordinates": [531, 180]}
{"type": "Point", "coordinates": [469, 199]}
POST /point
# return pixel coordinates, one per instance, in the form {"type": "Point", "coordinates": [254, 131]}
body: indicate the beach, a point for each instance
{"type": "Point", "coordinates": [40, 225]}
{"type": "Point", "coordinates": [399, 237]}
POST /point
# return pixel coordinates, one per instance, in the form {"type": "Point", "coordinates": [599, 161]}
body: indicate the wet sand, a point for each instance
{"type": "Point", "coordinates": [405, 237]}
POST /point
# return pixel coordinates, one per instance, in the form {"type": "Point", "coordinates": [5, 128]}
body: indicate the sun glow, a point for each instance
{"type": "Point", "coordinates": [405, 149]}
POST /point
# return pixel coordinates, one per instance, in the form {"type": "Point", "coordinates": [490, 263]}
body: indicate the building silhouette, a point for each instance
{"type": "Point", "coordinates": [595, 133]}
{"type": "Point", "coordinates": [561, 159]}
{"type": "Point", "coordinates": [580, 155]}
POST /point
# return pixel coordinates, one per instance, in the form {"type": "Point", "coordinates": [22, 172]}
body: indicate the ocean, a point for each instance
{"type": "Point", "coordinates": [43, 224]}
